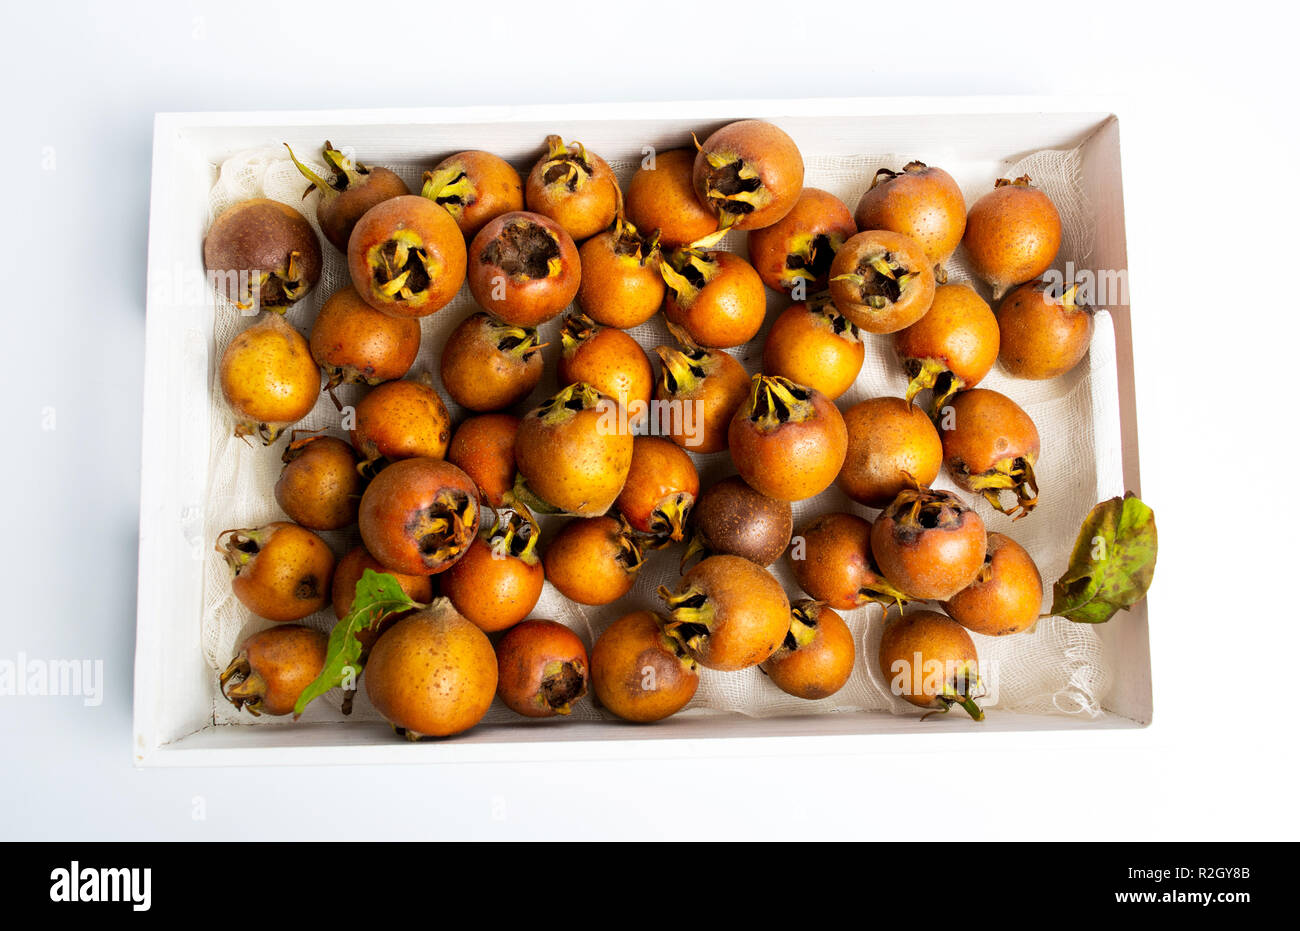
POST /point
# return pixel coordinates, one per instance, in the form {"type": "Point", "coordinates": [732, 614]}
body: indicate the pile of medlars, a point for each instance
{"type": "Point", "coordinates": [449, 510]}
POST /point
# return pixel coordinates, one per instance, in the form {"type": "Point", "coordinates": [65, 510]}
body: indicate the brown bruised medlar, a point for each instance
{"type": "Point", "coordinates": [524, 268]}
{"type": "Point", "coordinates": [262, 254]}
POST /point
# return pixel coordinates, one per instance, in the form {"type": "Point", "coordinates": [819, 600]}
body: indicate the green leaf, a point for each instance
{"type": "Point", "coordinates": [1112, 563]}
{"type": "Point", "coordinates": [378, 595]}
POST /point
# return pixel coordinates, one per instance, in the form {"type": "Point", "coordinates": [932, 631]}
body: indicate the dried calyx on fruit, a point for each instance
{"type": "Point", "coordinates": [729, 612]}
{"type": "Point", "coordinates": [272, 668]}
{"type": "Point", "coordinates": [352, 190]}
{"type": "Point", "coordinates": [262, 253]}
{"type": "Point", "coordinates": [541, 669]}
{"type": "Point", "coordinates": [882, 281]}
{"type": "Point", "coordinates": [991, 445]}
{"type": "Point", "coordinates": [750, 174]}
{"type": "Point", "coordinates": [573, 187]}
{"type": "Point", "coordinates": [524, 268]}
{"type": "Point", "coordinates": [951, 348]}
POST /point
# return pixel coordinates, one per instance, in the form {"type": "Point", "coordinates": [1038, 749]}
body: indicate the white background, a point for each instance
{"type": "Point", "coordinates": [1209, 161]}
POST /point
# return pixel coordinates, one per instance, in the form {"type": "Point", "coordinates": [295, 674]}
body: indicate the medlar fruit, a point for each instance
{"type": "Point", "coordinates": [541, 669]}
{"type": "Point", "coordinates": [593, 560]}
{"type": "Point", "coordinates": [800, 246]}
{"type": "Point", "coordinates": [834, 564]}
{"type": "Point", "coordinates": [991, 445]}
{"type": "Point", "coordinates": [788, 441]}
{"type": "Point", "coordinates": [700, 389]}
{"type": "Point", "coordinates": [355, 344]}
{"type": "Point", "coordinates": [418, 516]}
{"type": "Point", "coordinates": [816, 657]}
{"type": "Point", "coordinates": [812, 344]}
{"type": "Point", "coordinates": [351, 191]}
{"type": "Point", "coordinates": [661, 196]}
{"type": "Point", "coordinates": [660, 489]}
{"type": "Point", "coordinates": [401, 420]}
{"type": "Point", "coordinates": [571, 454]}
{"type": "Point", "coordinates": [273, 667]}
{"type": "Point", "coordinates": [749, 173]}
{"type": "Point", "coordinates": [524, 268]}
{"type": "Point", "coordinates": [733, 519]}
{"type": "Point", "coordinates": [716, 297]}
{"type": "Point", "coordinates": [499, 579]}
{"type": "Point", "coordinates": [343, 593]}
{"type": "Point", "coordinates": [621, 283]}
{"type": "Point", "coordinates": [921, 202]}
{"type": "Point", "coordinates": [487, 364]}
{"type": "Point", "coordinates": [640, 671]}
{"type": "Point", "coordinates": [319, 486]}
{"type": "Point", "coordinates": [609, 360]}
{"type": "Point", "coordinates": [433, 674]}
{"type": "Point", "coordinates": [483, 448]}
{"type": "Point", "coordinates": [729, 612]}
{"type": "Point", "coordinates": [952, 347]}
{"type": "Point", "coordinates": [407, 257]}
{"type": "Point", "coordinates": [573, 187]}
{"type": "Point", "coordinates": [930, 661]}
{"type": "Point", "coordinates": [269, 378]}
{"type": "Point", "coordinates": [1043, 336]}
{"type": "Point", "coordinates": [892, 445]}
{"type": "Point", "coordinates": [475, 187]}
{"type": "Point", "coordinates": [1012, 234]}
{"type": "Point", "coordinates": [1006, 595]}
{"type": "Point", "coordinates": [882, 281]}
{"type": "Point", "coordinates": [928, 544]}
{"type": "Point", "coordinates": [262, 255]}
{"type": "Point", "coordinates": [281, 571]}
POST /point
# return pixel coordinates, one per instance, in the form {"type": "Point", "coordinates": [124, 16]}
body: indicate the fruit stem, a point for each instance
{"type": "Point", "coordinates": [317, 182]}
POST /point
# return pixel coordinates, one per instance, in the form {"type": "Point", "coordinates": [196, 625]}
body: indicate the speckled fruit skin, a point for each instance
{"type": "Point", "coordinates": [985, 427]}
{"type": "Point", "coordinates": [729, 309]}
{"type": "Point", "coordinates": [1012, 234]}
{"type": "Point", "coordinates": [614, 364]}
{"type": "Point", "coordinates": [751, 612]}
{"type": "Point", "coordinates": [888, 439]}
{"type": "Point", "coordinates": [279, 664]}
{"type": "Point", "coordinates": [660, 471]}
{"type": "Point", "coordinates": [268, 378]}
{"type": "Point", "coordinates": [400, 497]}
{"type": "Point", "coordinates": [478, 374]}
{"type": "Point", "coordinates": [353, 343]}
{"type": "Point", "coordinates": [582, 212]}
{"type": "Point", "coordinates": [922, 202]}
{"type": "Point", "coordinates": [637, 673]}
{"type": "Point", "coordinates": [836, 566]}
{"type": "Point", "coordinates": [958, 331]}
{"type": "Point", "coordinates": [434, 231]}
{"type": "Point", "coordinates": [493, 592]}
{"type": "Point", "coordinates": [483, 448]}
{"type": "Point", "coordinates": [577, 465]}
{"type": "Point", "coordinates": [583, 561]}
{"type": "Point", "coordinates": [344, 591]}
{"type": "Point", "coordinates": [663, 198]}
{"type": "Point", "coordinates": [433, 674]}
{"type": "Point", "coordinates": [732, 518]}
{"type": "Point", "coordinates": [510, 293]}
{"type": "Point", "coordinates": [524, 656]}
{"type": "Point", "coordinates": [1041, 336]}
{"type": "Point", "coordinates": [257, 236]}
{"type": "Point", "coordinates": [912, 303]}
{"type": "Point", "coordinates": [816, 213]}
{"type": "Point", "coordinates": [1009, 600]}
{"type": "Point", "coordinates": [402, 420]}
{"type": "Point", "coordinates": [495, 189]}
{"type": "Point", "coordinates": [319, 486]}
{"type": "Point", "coordinates": [770, 152]}
{"type": "Point", "coordinates": [720, 388]}
{"type": "Point", "coordinates": [817, 669]}
{"type": "Point", "coordinates": [289, 577]}
{"type": "Point", "coordinates": [617, 289]}
{"type": "Point", "coordinates": [804, 347]}
{"type": "Point", "coordinates": [936, 638]}
{"type": "Point", "coordinates": [929, 564]}
{"type": "Point", "coordinates": [796, 460]}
